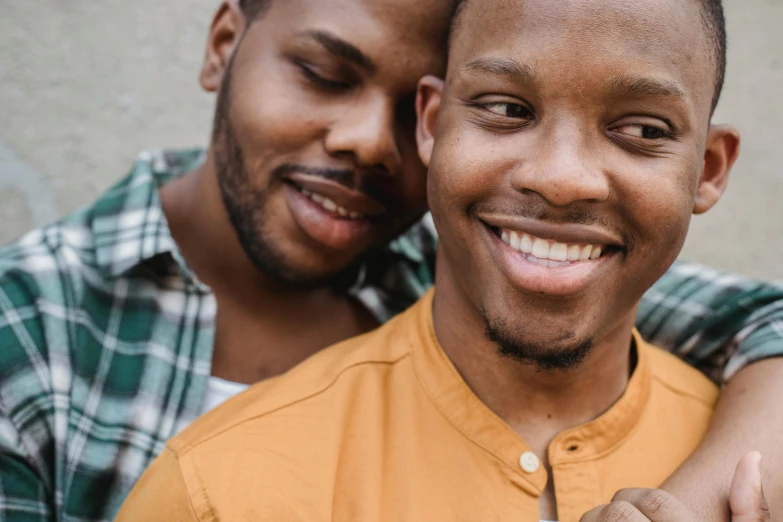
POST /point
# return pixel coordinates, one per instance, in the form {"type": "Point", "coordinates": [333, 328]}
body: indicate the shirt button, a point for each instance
{"type": "Point", "coordinates": [529, 462]}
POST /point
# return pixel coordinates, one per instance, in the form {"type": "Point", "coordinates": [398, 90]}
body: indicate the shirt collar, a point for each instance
{"type": "Point", "coordinates": [465, 411]}
{"type": "Point", "coordinates": [128, 223]}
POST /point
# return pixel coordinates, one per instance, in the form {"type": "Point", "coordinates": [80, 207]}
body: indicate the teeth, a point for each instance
{"type": "Point", "coordinates": [558, 252]}
{"type": "Point", "coordinates": [540, 249]}
{"type": "Point", "coordinates": [514, 241]}
{"type": "Point", "coordinates": [526, 244]}
{"type": "Point", "coordinates": [548, 253]}
{"type": "Point", "coordinates": [330, 205]}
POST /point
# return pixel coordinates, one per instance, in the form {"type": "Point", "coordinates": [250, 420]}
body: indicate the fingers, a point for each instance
{"type": "Point", "coordinates": [657, 505]}
{"type": "Point", "coordinates": [619, 511]}
{"type": "Point", "coordinates": [747, 495]}
{"type": "Point", "coordinates": [641, 505]}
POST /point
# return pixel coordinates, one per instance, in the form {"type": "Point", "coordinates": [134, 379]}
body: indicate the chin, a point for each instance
{"type": "Point", "coordinates": [565, 350]}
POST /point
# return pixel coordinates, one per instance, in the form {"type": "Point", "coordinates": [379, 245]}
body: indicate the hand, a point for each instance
{"type": "Point", "coordinates": [746, 501]}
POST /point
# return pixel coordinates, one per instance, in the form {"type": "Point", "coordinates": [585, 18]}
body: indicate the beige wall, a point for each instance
{"type": "Point", "coordinates": [85, 85]}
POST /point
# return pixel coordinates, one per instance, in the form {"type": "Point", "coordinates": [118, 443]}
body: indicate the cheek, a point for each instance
{"type": "Point", "coordinates": [658, 206]}
{"type": "Point", "coordinates": [271, 114]}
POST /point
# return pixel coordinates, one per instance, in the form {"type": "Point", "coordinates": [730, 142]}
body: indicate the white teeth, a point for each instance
{"type": "Point", "coordinates": [526, 244]}
{"type": "Point", "coordinates": [330, 205]}
{"type": "Point", "coordinates": [540, 249]}
{"type": "Point", "coordinates": [558, 252]}
{"type": "Point", "coordinates": [548, 253]}
{"type": "Point", "coordinates": [514, 241]}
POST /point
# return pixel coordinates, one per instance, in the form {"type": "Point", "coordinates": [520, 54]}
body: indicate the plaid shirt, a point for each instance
{"type": "Point", "coordinates": [107, 337]}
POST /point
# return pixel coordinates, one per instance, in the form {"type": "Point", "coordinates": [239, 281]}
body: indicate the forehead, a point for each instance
{"type": "Point", "coordinates": [411, 31]}
{"type": "Point", "coordinates": [598, 38]}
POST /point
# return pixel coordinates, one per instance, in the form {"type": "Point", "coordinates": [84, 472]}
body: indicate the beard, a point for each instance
{"type": "Point", "coordinates": [564, 355]}
{"type": "Point", "coordinates": [245, 204]}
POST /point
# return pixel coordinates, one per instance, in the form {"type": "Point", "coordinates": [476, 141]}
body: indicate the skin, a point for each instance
{"type": "Point", "coordinates": [747, 502]}
{"type": "Point", "coordinates": [280, 118]}
{"type": "Point", "coordinates": [318, 87]}
{"type": "Point", "coordinates": [622, 162]}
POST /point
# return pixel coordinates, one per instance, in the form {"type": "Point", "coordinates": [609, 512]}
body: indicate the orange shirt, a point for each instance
{"type": "Point", "coordinates": [383, 428]}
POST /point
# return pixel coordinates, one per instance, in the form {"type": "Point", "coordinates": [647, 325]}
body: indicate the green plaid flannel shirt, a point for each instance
{"type": "Point", "coordinates": [106, 340]}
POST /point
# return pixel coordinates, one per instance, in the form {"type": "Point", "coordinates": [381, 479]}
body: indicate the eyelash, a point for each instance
{"type": "Point", "coordinates": [664, 133]}
{"type": "Point", "coordinates": [320, 81]}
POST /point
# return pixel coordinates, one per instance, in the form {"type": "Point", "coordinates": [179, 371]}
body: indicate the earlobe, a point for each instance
{"type": "Point", "coordinates": [428, 98]}
{"type": "Point", "coordinates": [723, 146]}
{"type": "Point", "coordinates": [227, 27]}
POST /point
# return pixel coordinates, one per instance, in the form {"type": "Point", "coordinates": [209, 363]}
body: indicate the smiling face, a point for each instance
{"type": "Point", "coordinates": [314, 132]}
{"type": "Point", "coordinates": [566, 157]}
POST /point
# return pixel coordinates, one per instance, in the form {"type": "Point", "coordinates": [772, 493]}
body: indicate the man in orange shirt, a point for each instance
{"type": "Point", "coordinates": [567, 149]}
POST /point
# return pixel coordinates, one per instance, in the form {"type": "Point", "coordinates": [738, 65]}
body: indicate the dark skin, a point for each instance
{"type": "Point", "coordinates": [286, 117]}
{"type": "Point", "coordinates": [303, 93]}
{"type": "Point", "coordinates": [620, 162]}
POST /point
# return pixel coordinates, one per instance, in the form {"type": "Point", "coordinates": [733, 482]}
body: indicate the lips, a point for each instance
{"type": "Point", "coordinates": [331, 214]}
{"type": "Point", "coordinates": [354, 204]}
{"type": "Point", "coordinates": [556, 260]}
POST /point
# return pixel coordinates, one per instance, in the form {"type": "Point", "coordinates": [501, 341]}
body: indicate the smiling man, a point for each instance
{"type": "Point", "coordinates": [565, 161]}
{"type": "Point", "coordinates": [200, 274]}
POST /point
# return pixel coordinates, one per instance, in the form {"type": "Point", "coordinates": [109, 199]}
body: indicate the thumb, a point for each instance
{"type": "Point", "coordinates": [747, 496]}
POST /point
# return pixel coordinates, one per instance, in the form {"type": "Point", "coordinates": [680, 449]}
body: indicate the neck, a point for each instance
{"type": "Point", "coordinates": [536, 404]}
{"type": "Point", "coordinates": [258, 331]}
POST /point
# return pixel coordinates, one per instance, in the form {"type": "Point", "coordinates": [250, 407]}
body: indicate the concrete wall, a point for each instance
{"type": "Point", "coordinates": [85, 85]}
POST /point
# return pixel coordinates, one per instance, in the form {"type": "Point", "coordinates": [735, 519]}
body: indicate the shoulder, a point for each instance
{"type": "Point", "coordinates": [313, 394]}
{"type": "Point", "coordinates": [675, 378]}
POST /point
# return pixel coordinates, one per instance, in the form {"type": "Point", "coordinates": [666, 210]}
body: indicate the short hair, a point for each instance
{"type": "Point", "coordinates": [253, 8]}
{"type": "Point", "coordinates": [714, 22]}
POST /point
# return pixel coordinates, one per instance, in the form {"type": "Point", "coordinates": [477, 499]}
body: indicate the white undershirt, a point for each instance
{"type": "Point", "coordinates": [218, 391]}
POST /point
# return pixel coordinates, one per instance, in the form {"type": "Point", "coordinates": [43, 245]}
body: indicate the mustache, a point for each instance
{"type": "Point", "coordinates": [538, 208]}
{"type": "Point", "coordinates": [350, 179]}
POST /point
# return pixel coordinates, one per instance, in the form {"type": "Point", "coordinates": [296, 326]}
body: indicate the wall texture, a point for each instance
{"type": "Point", "coordinates": [86, 85]}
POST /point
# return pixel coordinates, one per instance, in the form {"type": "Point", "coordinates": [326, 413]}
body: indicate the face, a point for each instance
{"type": "Point", "coordinates": [314, 134]}
{"type": "Point", "coordinates": [566, 158]}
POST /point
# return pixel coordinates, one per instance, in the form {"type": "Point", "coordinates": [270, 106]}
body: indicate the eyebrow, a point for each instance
{"type": "Point", "coordinates": [507, 67]}
{"type": "Point", "coordinates": [339, 47]}
{"type": "Point", "coordinates": [630, 85]}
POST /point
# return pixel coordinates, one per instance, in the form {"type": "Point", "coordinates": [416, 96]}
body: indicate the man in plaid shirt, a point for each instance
{"type": "Point", "coordinates": [118, 323]}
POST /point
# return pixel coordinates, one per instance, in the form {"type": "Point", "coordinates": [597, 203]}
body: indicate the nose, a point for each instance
{"type": "Point", "coordinates": [562, 168]}
{"type": "Point", "coordinates": [366, 131]}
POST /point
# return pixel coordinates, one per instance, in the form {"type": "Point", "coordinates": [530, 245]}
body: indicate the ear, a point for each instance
{"type": "Point", "coordinates": [224, 35]}
{"type": "Point", "coordinates": [723, 146]}
{"type": "Point", "coordinates": [428, 97]}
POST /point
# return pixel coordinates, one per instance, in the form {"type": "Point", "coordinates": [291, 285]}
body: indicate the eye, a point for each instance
{"type": "Point", "coordinates": [645, 132]}
{"type": "Point", "coordinates": [320, 81]}
{"type": "Point", "coordinates": [508, 110]}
